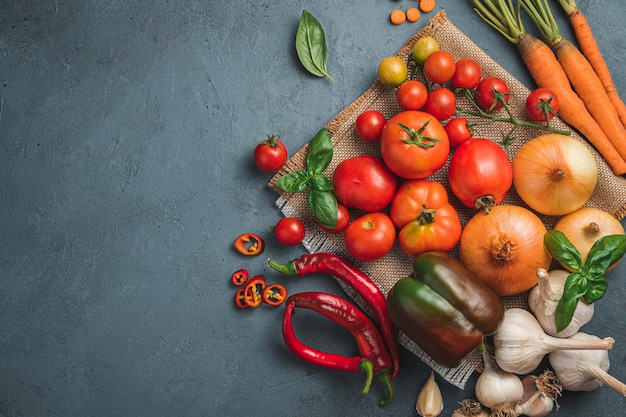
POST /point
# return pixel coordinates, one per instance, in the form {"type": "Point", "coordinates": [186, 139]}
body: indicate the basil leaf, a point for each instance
{"type": "Point", "coordinates": [596, 289]}
{"type": "Point", "coordinates": [561, 249]}
{"type": "Point", "coordinates": [320, 152]}
{"type": "Point", "coordinates": [323, 204]}
{"type": "Point", "coordinates": [615, 244]}
{"type": "Point", "coordinates": [575, 286]}
{"type": "Point", "coordinates": [564, 313]}
{"type": "Point", "coordinates": [293, 182]}
{"type": "Point", "coordinates": [311, 45]}
{"type": "Point", "coordinates": [321, 183]}
{"type": "Point", "coordinates": [597, 262]}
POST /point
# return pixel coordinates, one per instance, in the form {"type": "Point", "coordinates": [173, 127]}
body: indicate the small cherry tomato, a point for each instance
{"type": "Point", "coordinates": [542, 102]}
{"type": "Point", "coordinates": [411, 95]}
{"type": "Point", "coordinates": [343, 219]}
{"type": "Point", "coordinates": [458, 131]}
{"type": "Point", "coordinates": [392, 71]}
{"type": "Point", "coordinates": [485, 93]}
{"type": "Point", "coordinates": [441, 103]}
{"type": "Point", "coordinates": [467, 74]}
{"type": "Point", "coordinates": [423, 48]}
{"type": "Point", "coordinates": [439, 67]}
{"type": "Point", "coordinates": [369, 125]}
{"type": "Point", "coordinates": [289, 231]}
{"type": "Point", "coordinates": [370, 236]}
{"type": "Point", "coordinates": [271, 154]}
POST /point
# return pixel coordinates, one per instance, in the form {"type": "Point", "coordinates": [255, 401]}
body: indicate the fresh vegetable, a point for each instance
{"type": "Point", "coordinates": [426, 219]}
{"type": "Point", "coordinates": [370, 236]}
{"type": "Point", "coordinates": [270, 155]}
{"type": "Point", "coordinates": [392, 71]}
{"type": "Point", "coordinates": [369, 125]}
{"type": "Point", "coordinates": [343, 219]}
{"type": "Point", "coordinates": [422, 49]}
{"type": "Point", "coordinates": [411, 95]}
{"type": "Point", "coordinates": [554, 174]}
{"type": "Point", "coordinates": [373, 359]}
{"type": "Point", "coordinates": [439, 67]}
{"type": "Point", "coordinates": [467, 74]}
{"type": "Point", "coordinates": [412, 14]}
{"type": "Point", "coordinates": [542, 104]}
{"type": "Point", "coordinates": [504, 248]}
{"type": "Point", "coordinates": [289, 231]}
{"type": "Point", "coordinates": [364, 182]}
{"type": "Point", "coordinates": [429, 401]}
{"type": "Point", "coordinates": [470, 408]}
{"type": "Point", "coordinates": [540, 394]}
{"type": "Point", "coordinates": [427, 6]}
{"type": "Point", "coordinates": [240, 298]}
{"type": "Point", "coordinates": [414, 144]}
{"type": "Point", "coordinates": [240, 277]}
{"type": "Point", "coordinates": [253, 291]}
{"type": "Point", "coordinates": [441, 103]}
{"type": "Point", "coordinates": [480, 173]}
{"type": "Point", "coordinates": [497, 389]}
{"type": "Point", "coordinates": [458, 130]}
{"type": "Point", "coordinates": [249, 244]}
{"type": "Point", "coordinates": [311, 45]}
{"type": "Point", "coordinates": [444, 308]}
{"type": "Point", "coordinates": [397, 16]}
{"type": "Point", "coordinates": [274, 294]}
{"type": "Point", "coordinates": [487, 90]}
{"type": "Point", "coordinates": [327, 263]}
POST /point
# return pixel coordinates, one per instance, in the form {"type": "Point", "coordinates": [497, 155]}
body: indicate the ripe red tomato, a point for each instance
{"type": "Point", "coordinates": [411, 95]}
{"type": "Point", "coordinates": [426, 219]}
{"type": "Point", "coordinates": [370, 236]}
{"type": "Point", "coordinates": [541, 102]}
{"type": "Point", "coordinates": [458, 131]}
{"type": "Point", "coordinates": [369, 125]}
{"type": "Point", "coordinates": [485, 93]}
{"type": "Point", "coordinates": [441, 103]}
{"type": "Point", "coordinates": [480, 173]}
{"type": "Point", "coordinates": [467, 74]}
{"type": "Point", "coordinates": [414, 144]}
{"type": "Point", "coordinates": [364, 182]}
{"type": "Point", "coordinates": [439, 67]}
{"type": "Point", "coordinates": [289, 231]}
{"type": "Point", "coordinates": [343, 219]}
{"type": "Point", "coordinates": [270, 155]}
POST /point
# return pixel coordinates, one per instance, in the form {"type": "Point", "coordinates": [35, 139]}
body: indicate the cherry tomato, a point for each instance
{"type": "Point", "coordinates": [343, 219]}
{"type": "Point", "coordinates": [414, 144]}
{"type": "Point", "coordinates": [364, 182]}
{"type": "Point", "coordinates": [467, 74]}
{"type": "Point", "coordinates": [441, 103]}
{"type": "Point", "coordinates": [485, 93]}
{"type": "Point", "coordinates": [411, 95]}
{"type": "Point", "coordinates": [422, 49]}
{"type": "Point", "coordinates": [369, 125]}
{"type": "Point", "coordinates": [289, 231]}
{"type": "Point", "coordinates": [542, 102]}
{"type": "Point", "coordinates": [270, 155]}
{"type": "Point", "coordinates": [458, 131]}
{"type": "Point", "coordinates": [370, 236]}
{"type": "Point", "coordinates": [480, 173]}
{"type": "Point", "coordinates": [439, 67]}
{"type": "Point", "coordinates": [392, 71]}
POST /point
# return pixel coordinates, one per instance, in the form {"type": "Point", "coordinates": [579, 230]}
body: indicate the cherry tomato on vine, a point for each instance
{"type": "Point", "coordinates": [370, 236]}
{"type": "Point", "coordinates": [542, 102]}
{"type": "Point", "coordinates": [270, 155]}
{"type": "Point", "coordinates": [439, 67]}
{"type": "Point", "coordinates": [441, 103]}
{"type": "Point", "coordinates": [422, 49]}
{"type": "Point", "coordinates": [458, 131]}
{"type": "Point", "coordinates": [392, 71]}
{"type": "Point", "coordinates": [485, 93]}
{"type": "Point", "coordinates": [369, 125]}
{"type": "Point", "coordinates": [411, 95]}
{"type": "Point", "coordinates": [289, 231]}
{"type": "Point", "coordinates": [467, 74]}
{"type": "Point", "coordinates": [343, 219]}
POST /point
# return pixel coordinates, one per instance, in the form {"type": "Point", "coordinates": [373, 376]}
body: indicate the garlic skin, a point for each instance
{"type": "Point", "coordinates": [429, 401]}
{"type": "Point", "coordinates": [498, 390]}
{"type": "Point", "coordinates": [540, 394]}
{"type": "Point", "coordinates": [544, 298]}
{"type": "Point", "coordinates": [470, 408]}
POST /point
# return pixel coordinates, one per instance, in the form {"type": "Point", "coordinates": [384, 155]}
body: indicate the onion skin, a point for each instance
{"type": "Point", "coordinates": [504, 248]}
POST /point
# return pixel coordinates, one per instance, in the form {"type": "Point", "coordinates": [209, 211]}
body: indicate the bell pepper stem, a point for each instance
{"type": "Point", "coordinates": [287, 269]}
{"type": "Point", "coordinates": [385, 378]}
{"type": "Point", "coordinates": [367, 367]}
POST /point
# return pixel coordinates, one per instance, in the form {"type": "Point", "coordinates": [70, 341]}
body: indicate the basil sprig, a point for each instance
{"type": "Point", "coordinates": [322, 201]}
{"type": "Point", "coordinates": [311, 45]}
{"type": "Point", "coordinates": [587, 281]}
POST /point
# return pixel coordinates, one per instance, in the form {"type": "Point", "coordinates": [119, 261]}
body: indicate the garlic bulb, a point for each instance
{"type": "Point", "coordinates": [584, 370]}
{"type": "Point", "coordinates": [470, 408]}
{"type": "Point", "coordinates": [521, 343]}
{"type": "Point", "coordinates": [429, 401]}
{"type": "Point", "coordinates": [545, 296]}
{"type": "Point", "coordinates": [540, 394]}
{"type": "Point", "coordinates": [498, 390]}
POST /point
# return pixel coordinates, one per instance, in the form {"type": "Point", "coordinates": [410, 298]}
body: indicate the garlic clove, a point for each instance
{"type": "Point", "coordinates": [540, 394]}
{"type": "Point", "coordinates": [429, 401]}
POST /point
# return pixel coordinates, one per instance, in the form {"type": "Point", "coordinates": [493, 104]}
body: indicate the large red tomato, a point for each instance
{"type": "Point", "coordinates": [370, 236]}
{"type": "Point", "coordinates": [426, 219]}
{"type": "Point", "coordinates": [480, 173]}
{"type": "Point", "coordinates": [364, 182]}
{"type": "Point", "coordinates": [414, 144]}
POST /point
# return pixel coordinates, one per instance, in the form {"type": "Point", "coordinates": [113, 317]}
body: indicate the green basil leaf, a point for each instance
{"type": "Point", "coordinates": [596, 289]}
{"type": "Point", "coordinates": [562, 250]}
{"type": "Point", "coordinates": [597, 262]}
{"type": "Point", "coordinates": [321, 183]}
{"type": "Point", "coordinates": [319, 153]}
{"type": "Point", "coordinates": [564, 313]}
{"type": "Point", "coordinates": [323, 204]}
{"type": "Point", "coordinates": [575, 286]}
{"type": "Point", "coordinates": [311, 45]}
{"type": "Point", "coordinates": [293, 182]}
{"type": "Point", "coordinates": [615, 244]}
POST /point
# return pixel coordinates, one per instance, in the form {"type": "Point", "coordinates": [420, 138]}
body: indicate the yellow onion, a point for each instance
{"type": "Point", "coordinates": [504, 248]}
{"type": "Point", "coordinates": [554, 174]}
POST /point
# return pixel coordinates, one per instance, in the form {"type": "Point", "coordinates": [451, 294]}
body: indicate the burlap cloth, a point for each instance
{"type": "Point", "coordinates": [610, 194]}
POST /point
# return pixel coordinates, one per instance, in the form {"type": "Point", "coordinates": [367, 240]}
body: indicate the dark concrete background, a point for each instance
{"type": "Point", "coordinates": [126, 135]}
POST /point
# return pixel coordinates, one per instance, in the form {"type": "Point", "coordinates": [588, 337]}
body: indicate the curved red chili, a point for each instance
{"type": "Point", "coordinates": [253, 291]}
{"type": "Point", "coordinates": [274, 294]}
{"type": "Point", "coordinates": [327, 263]}
{"type": "Point", "coordinates": [239, 277]}
{"type": "Point", "coordinates": [249, 244]}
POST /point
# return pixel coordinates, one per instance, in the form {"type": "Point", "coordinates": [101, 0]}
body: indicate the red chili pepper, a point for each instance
{"type": "Point", "coordinates": [240, 298]}
{"type": "Point", "coordinates": [274, 294]}
{"type": "Point", "coordinates": [327, 263]}
{"type": "Point", "coordinates": [374, 358]}
{"type": "Point", "coordinates": [253, 291]}
{"type": "Point", "coordinates": [239, 277]}
{"type": "Point", "coordinates": [249, 244]}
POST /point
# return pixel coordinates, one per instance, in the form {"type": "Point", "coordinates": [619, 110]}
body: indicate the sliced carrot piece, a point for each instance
{"type": "Point", "coordinates": [397, 17]}
{"type": "Point", "coordinates": [412, 14]}
{"type": "Point", "coordinates": [427, 5]}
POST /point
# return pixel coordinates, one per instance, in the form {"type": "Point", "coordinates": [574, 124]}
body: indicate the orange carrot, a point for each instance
{"type": "Point", "coordinates": [427, 5]}
{"type": "Point", "coordinates": [397, 17]}
{"type": "Point", "coordinates": [412, 14]}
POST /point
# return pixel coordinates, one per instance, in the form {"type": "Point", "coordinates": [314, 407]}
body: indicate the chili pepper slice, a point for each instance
{"type": "Point", "coordinates": [239, 277]}
{"type": "Point", "coordinates": [249, 244]}
{"type": "Point", "coordinates": [253, 291]}
{"type": "Point", "coordinates": [327, 263]}
{"type": "Point", "coordinates": [240, 298]}
{"type": "Point", "coordinates": [274, 294]}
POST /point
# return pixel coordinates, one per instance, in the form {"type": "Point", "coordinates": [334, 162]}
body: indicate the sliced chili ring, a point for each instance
{"type": "Point", "coordinates": [274, 294]}
{"type": "Point", "coordinates": [240, 298]}
{"type": "Point", "coordinates": [240, 277]}
{"type": "Point", "coordinates": [253, 291]}
{"type": "Point", "coordinates": [249, 244]}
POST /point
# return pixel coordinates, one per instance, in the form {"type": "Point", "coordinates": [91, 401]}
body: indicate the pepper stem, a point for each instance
{"type": "Point", "coordinates": [287, 269]}
{"type": "Point", "coordinates": [385, 378]}
{"type": "Point", "coordinates": [367, 367]}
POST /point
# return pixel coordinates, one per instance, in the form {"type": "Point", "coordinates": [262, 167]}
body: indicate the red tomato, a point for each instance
{"type": "Point", "coordinates": [426, 219]}
{"type": "Point", "coordinates": [270, 155]}
{"type": "Point", "coordinates": [289, 231]}
{"type": "Point", "coordinates": [441, 103]}
{"type": "Point", "coordinates": [343, 219]}
{"type": "Point", "coordinates": [485, 93]}
{"type": "Point", "coordinates": [411, 95]}
{"type": "Point", "coordinates": [458, 131]}
{"type": "Point", "coordinates": [439, 67]}
{"type": "Point", "coordinates": [369, 125]}
{"type": "Point", "coordinates": [467, 74]}
{"type": "Point", "coordinates": [364, 182]}
{"type": "Point", "coordinates": [414, 144]}
{"type": "Point", "coordinates": [480, 173]}
{"type": "Point", "coordinates": [541, 102]}
{"type": "Point", "coordinates": [370, 236]}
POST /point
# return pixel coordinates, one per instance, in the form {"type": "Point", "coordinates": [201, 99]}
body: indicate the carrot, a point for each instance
{"type": "Point", "coordinates": [591, 50]}
{"type": "Point", "coordinates": [427, 5]}
{"type": "Point", "coordinates": [412, 14]}
{"type": "Point", "coordinates": [397, 17]}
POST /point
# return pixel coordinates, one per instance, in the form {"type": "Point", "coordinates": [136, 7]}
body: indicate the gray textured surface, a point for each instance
{"type": "Point", "coordinates": [126, 131]}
